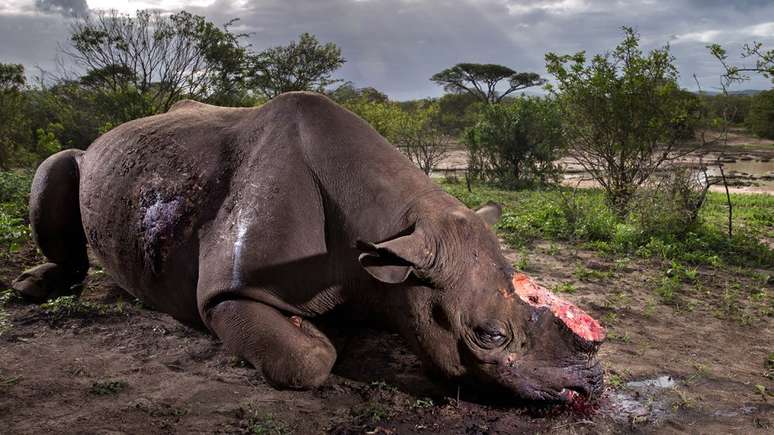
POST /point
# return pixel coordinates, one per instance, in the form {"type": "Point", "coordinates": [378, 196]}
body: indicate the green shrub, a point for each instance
{"type": "Point", "coordinates": [516, 143]}
{"type": "Point", "coordinates": [760, 118]}
{"type": "Point", "coordinates": [671, 204]}
{"type": "Point", "coordinates": [73, 307]}
{"type": "Point", "coordinates": [13, 233]}
{"type": "Point", "coordinates": [15, 188]}
{"type": "Point", "coordinates": [108, 388]}
{"type": "Point", "coordinates": [14, 199]}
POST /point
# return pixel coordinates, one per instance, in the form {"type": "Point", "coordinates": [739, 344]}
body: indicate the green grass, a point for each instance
{"type": "Point", "coordinates": [108, 388]}
{"type": "Point", "coordinates": [565, 287]}
{"type": "Point", "coordinates": [582, 217]}
{"type": "Point", "coordinates": [71, 306]}
{"type": "Point", "coordinates": [266, 424]}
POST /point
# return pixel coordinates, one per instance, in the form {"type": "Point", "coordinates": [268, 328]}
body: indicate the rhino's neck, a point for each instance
{"type": "Point", "coordinates": [380, 191]}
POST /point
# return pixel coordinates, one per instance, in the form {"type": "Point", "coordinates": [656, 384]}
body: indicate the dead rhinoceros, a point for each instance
{"type": "Point", "coordinates": [254, 221]}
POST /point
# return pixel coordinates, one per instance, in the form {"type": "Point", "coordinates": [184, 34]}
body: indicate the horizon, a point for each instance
{"type": "Point", "coordinates": [396, 46]}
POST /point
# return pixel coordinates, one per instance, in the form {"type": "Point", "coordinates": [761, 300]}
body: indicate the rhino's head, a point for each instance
{"type": "Point", "coordinates": [474, 320]}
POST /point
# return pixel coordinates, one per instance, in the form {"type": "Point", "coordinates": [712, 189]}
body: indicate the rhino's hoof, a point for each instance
{"type": "Point", "coordinates": [43, 282]}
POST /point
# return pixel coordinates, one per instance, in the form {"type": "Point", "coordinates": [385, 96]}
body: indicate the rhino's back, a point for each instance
{"type": "Point", "coordinates": [148, 186]}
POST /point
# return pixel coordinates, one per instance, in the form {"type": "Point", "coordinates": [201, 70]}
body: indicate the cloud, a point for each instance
{"type": "Point", "coordinates": [67, 8]}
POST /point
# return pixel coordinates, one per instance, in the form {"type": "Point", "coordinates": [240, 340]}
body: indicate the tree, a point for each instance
{"type": "Point", "coordinates": [347, 92]}
{"type": "Point", "coordinates": [764, 62]}
{"type": "Point", "coordinates": [145, 63]}
{"type": "Point", "coordinates": [481, 80]}
{"type": "Point", "coordinates": [415, 132]}
{"type": "Point", "coordinates": [624, 114]}
{"type": "Point", "coordinates": [306, 65]}
{"type": "Point", "coordinates": [419, 137]}
{"type": "Point", "coordinates": [80, 111]}
{"type": "Point", "coordinates": [385, 117]}
{"type": "Point", "coordinates": [516, 142]}
{"type": "Point", "coordinates": [14, 129]}
{"type": "Point", "coordinates": [456, 112]}
{"type": "Point", "coordinates": [760, 119]}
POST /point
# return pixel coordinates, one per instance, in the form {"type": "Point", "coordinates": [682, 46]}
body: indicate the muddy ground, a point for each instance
{"type": "Point", "coordinates": [698, 364]}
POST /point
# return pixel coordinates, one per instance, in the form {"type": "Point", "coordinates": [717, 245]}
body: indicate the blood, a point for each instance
{"type": "Point", "coordinates": [580, 323]}
{"type": "Point", "coordinates": [579, 405]}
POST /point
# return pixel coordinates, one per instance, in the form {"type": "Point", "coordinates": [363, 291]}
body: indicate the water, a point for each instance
{"type": "Point", "coordinates": [642, 401]}
{"type": "Point", "coordinates": [752, 168]}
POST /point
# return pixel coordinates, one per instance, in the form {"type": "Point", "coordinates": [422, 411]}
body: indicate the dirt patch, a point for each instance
{"type": "Point", "coordinates": [693, 365]}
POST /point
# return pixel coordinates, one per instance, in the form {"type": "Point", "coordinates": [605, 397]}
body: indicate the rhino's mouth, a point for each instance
{"type": "Point", "coordinates": [536, 382]}
{"type": "Point", "coordinates": [570, 385]}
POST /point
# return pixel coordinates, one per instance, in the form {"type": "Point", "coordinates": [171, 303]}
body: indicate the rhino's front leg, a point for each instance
{"type": "Point", "coordinates": [291, 352]}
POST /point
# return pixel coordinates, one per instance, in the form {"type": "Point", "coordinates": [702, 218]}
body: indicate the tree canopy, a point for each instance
{"type": "Point", "coordinates": [306, 65]}
{"type": "Point", "coordinates": [13, 131]}
{"type": "Point", "coordinates": [151, 60]}
{"type": "Point", "coordinates": [763, 62]}
{"type": "Point", "coordinates": [516, 142]}
{"type": "Point", "coordinates": [482, 80]}
{"type": "Point", "coordinates": [347, 92]}
{"type": "Point", "coordinates": [760, 119]}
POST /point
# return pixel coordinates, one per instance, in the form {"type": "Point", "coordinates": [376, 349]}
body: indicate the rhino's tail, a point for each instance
{"type": "Point", "coordinates": [55, 219]}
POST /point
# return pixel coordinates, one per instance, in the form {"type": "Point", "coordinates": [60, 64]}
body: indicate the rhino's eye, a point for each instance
{"type": "Point", "coordinates": [491, 336]}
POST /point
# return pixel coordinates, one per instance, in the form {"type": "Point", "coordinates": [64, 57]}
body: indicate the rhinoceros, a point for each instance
{"type": "Point", "coordinates": [253, 222]}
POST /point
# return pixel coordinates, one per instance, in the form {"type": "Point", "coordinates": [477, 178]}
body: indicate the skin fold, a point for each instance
{"type": "Point", "coordinates": [254, 222]}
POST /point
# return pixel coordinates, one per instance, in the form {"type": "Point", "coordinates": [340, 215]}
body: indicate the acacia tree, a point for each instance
{"type": "Point", "coordinates": [306, 65]}
{"type": "Point", "coordinates": [147, 62]}
{"type": "Point", "coordinates": [624, 114]}
{"type": "Point", "coordinates": [481, 80]}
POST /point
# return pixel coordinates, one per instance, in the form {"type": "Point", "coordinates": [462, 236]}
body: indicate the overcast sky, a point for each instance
{"type": "Point", "coordinates": [396, 45]}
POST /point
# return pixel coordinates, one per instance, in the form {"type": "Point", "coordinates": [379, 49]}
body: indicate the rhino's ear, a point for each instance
{"type": "Point", "coordinates": [490, 212]}
{"type": "Point", "coordinates": [393, 260]}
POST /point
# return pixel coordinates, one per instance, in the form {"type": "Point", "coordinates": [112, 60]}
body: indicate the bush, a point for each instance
{"type": "Point", "coordinates": [14, 199]}
{"type": "Point", "coordinates": [671, 203]}
{"type": "Point", "coordinates": [516, 143]}
{"type": "Point", "coordinates": [760, 119]}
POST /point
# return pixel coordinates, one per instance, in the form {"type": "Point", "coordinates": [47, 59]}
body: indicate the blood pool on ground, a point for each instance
{"type": "Point", "coordinates": [576, 319]}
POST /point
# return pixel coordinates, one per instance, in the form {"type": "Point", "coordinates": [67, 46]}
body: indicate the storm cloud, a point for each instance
{"type": "Point", "coordinates": [68, 8]}
{"type": "Point", "coordinates": [396, 45]}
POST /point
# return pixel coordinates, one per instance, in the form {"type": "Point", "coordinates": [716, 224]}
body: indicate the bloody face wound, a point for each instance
{"type": "Point", "coordinates": [539, 348]}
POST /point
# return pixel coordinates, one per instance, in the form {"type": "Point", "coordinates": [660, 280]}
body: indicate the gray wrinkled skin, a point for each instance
{"type": "Point", "coordinates": [254, 221]}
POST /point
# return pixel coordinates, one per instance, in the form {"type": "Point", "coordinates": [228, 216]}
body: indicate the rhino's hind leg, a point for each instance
{"type": "Point", "coordinates": [55, 219]}
{"type": "Point", "coordinates": [291, 352]}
